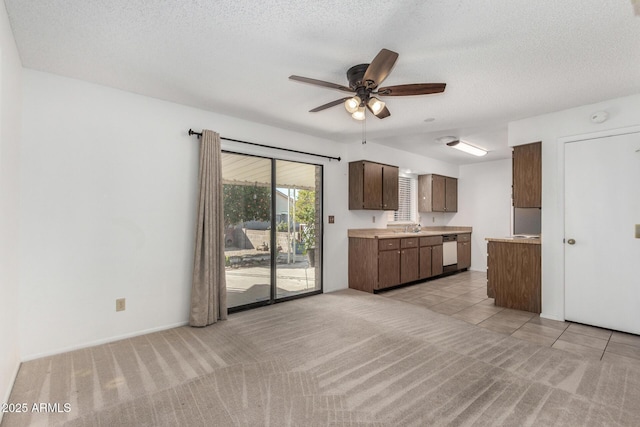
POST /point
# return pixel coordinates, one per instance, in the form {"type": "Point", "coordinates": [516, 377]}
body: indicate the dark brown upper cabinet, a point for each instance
{"type": "Point", "coordinates": [527, 176]}
{"type": "Point", "coordinates": [437, 193]}
{"type": "Point", "coordinates": [373, 186]}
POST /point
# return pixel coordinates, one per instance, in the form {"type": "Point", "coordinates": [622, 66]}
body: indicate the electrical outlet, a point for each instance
{"type": "Point", "coordinates": [373, 219]}
{"type": "Point", "coordinates": [433, 219]}
{"type": "Point", "coordinates": [120, 304]}
{"type": "Point", "coordinates": [332, 219]}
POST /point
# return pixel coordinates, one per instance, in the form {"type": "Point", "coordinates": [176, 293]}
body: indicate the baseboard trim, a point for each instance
{"type": "Point", "coordinates": [101, 341]}
{"type": "Point", "coordinates": [551, 317]}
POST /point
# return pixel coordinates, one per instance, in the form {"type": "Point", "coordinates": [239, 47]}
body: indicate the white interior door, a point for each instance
{"type": "Point", "coordinates": [602, 208]}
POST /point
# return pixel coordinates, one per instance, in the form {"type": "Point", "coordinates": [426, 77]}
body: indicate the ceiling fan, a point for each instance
{"type": "Point", "coordinates": [364, 80]}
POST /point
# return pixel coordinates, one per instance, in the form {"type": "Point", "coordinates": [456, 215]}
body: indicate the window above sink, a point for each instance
{"type": "Point", "coordinates": [407, 203]}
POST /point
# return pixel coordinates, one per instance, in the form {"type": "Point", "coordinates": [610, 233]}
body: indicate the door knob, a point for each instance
{"type": "Point", "coordinates": [571, 241]}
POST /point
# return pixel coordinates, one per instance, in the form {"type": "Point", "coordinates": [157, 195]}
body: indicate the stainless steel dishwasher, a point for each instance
{"type": "Point", "coordinates": [449, 252]}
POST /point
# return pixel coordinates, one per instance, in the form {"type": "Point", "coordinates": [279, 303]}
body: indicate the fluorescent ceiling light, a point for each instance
{"type": "Point", "coordinates": [467, 148]}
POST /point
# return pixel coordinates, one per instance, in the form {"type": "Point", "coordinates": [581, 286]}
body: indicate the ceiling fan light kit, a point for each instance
{"type": "Point", "coordinates": [364, 80]}
{"type": "Point", "coordinates": [352, 104]}
{"type": "Point", "coordinates": [359, 114]}
{"type": "Point", "coordinates": [467, 148]}
{"type": "Point", "coordinates": [375, 105]}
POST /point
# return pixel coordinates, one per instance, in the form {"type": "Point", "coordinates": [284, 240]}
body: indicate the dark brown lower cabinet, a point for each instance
{"type": "Point", "coordinates": [388, 268]}
{"type": "Point", "coordinates": [436, 260]}
{"type": "Point", "coordinates": [397, 262]}
{"type": "Point", "coordinates": [514, 275]}
{"type": "Point", "coordinates": [426, 262]}
{"type": "Point", "coordinates": [363, 264]}
{"type": "Point", "coordinates": [464, 251]}
{"type": "Point", "coordinates": [409, 265]}
{"type": "Point", "coordinates": [409, 259]}
{"type": "Point", "coordinates": [376, 263]}
{"type": "Point", "coordinates": [430, 256]}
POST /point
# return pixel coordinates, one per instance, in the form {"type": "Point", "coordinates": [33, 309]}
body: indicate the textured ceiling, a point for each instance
{"type": "Point", "coordinates": [502, 60]}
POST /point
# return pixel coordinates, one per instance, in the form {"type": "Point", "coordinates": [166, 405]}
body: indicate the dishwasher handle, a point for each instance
{"type": "Point", "coordinates": [449, 237]}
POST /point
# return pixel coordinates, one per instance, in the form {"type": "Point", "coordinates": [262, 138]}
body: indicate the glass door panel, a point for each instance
{"type": "Point", "coordinates": [298, 228]}
{"type": "Point", "coordinates": [247, 219]}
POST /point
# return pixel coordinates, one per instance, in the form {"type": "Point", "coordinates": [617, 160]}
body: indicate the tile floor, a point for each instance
{"type": "Point", "coordinates": [464, 296]}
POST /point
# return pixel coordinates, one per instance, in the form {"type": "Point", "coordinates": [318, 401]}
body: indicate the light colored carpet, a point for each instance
{"type": "Point", "coordinates": [340, 359]}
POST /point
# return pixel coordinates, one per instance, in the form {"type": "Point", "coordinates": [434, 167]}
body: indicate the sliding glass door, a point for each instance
{"type": "Point", "coordinates": [246, 182]}
{"type": "Point", "coordinates": [299, 228]}
{"type": "Point", "coordinates": [273, 229]}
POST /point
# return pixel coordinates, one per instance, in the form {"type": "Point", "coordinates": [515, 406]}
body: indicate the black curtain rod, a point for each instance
{"type": "Point", "coordinates": [191, 132]}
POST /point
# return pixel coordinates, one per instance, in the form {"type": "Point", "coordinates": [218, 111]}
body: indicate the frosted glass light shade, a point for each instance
{"type": "Point", "coordinates": [376, 105]}
{"type": "Point", "coordinates": [352, 104]}
{"type": "Point", "coordinates": [358, 114]}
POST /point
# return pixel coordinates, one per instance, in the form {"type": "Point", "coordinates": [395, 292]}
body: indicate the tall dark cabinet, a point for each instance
{"type": "Point", "coordinates": [527, 176]}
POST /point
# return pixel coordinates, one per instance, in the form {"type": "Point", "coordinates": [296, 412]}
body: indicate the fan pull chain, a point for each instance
{"type": "Point", "coordinates": [364, 131]}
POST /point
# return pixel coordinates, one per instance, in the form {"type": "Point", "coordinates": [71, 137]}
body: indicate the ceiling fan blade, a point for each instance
{"type": "Point", "coordinates": [320, 83]}
{"type": "Point", "coordinates": [379, 68]}
{"type": "Point", "coordinates": [329, 105]}
{"type": "Point", "coordinates": [382, 113]}
{"type": "Point", "coordinates": [412, 89]}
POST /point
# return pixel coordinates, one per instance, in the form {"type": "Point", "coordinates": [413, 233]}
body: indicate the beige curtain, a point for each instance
{"type": "Point", "coordinates": [209, 289]}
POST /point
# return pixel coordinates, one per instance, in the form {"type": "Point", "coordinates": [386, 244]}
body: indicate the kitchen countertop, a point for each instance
{"type": "Point", "coordinates": [397, 233]}
{"type": "Point", "coordinates": [512, 239]}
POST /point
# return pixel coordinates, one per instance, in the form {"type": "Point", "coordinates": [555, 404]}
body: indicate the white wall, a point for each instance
{"type": "Point", "coordinates": [548, 128]}
{"type": "Point", "coordinates": [484, 202]}
{"type": "Point", "coordinates": [10, 117]}
{"type": "Point", "coordinates": [108, 184]}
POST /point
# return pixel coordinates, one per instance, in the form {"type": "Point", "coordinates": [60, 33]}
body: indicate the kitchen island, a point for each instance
{"type": "Point", "coordinates": [383, 258]}
{"type": "Point", "coordinates": [514, 272]}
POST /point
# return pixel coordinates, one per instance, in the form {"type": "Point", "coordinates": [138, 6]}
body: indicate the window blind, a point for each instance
{"type": "Point", "coordinates": [405, 191]}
